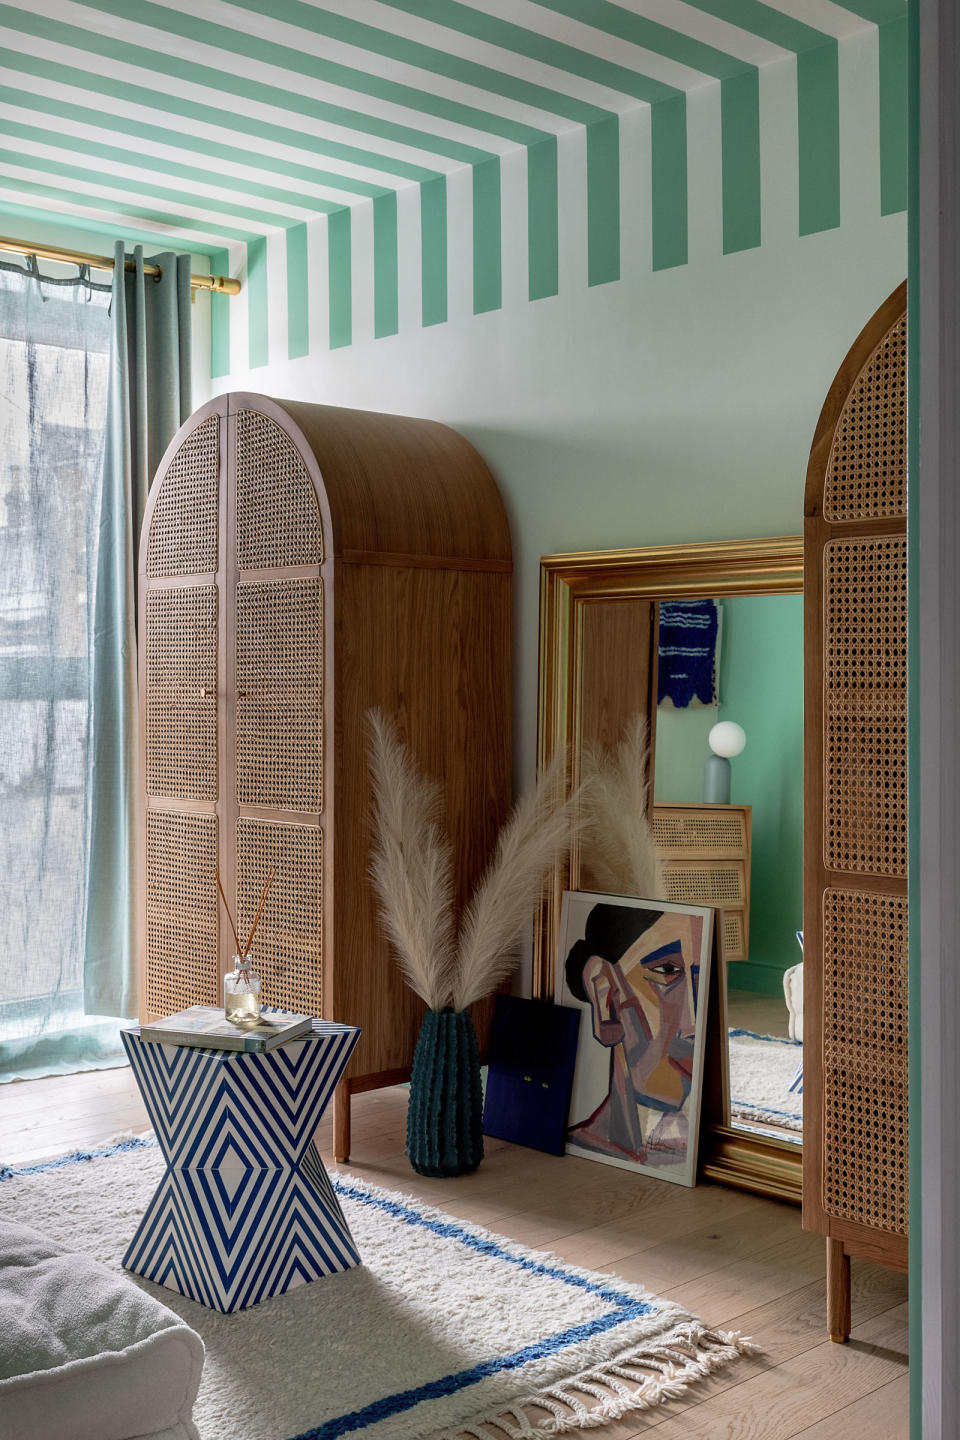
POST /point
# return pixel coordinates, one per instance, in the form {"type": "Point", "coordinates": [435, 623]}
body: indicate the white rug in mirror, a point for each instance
{"type": "Point", "coordinates": [766, 1082]}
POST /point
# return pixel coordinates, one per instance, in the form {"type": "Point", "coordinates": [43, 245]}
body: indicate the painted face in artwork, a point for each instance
{"type": "Point", "coordinates": [646, 1002]}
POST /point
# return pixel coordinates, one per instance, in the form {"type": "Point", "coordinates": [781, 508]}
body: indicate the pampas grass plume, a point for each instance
{"type": "Point", "coordinates": [411, 868]}
{"type": "Point", "coordinates": [538, 831]}
{"type": "Point", "coordinates": [617, 842]}
{"type": "Point", "coordinates": [411, 865]}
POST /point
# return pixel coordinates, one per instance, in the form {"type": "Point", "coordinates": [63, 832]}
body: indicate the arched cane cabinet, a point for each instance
{"type": "Point", "coordinates": [300, 564]}
{"type": "Point", "coordinates": [855, 813]}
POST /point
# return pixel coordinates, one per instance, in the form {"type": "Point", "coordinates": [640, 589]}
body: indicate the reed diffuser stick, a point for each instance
{"type": "Point", "coordinates": [256, 918]}
{"type": "Point", "coordinates": [236, 939]}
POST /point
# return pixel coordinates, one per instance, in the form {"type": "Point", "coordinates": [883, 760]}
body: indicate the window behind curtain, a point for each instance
{"type": "Point", "coordinates": [54, 351]}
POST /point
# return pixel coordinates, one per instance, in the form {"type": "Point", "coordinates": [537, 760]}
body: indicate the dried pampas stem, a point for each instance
{"type": "Point", "coordinates": [617, 842]}
{"type": "Point", "coordinates": [537, 833]}
{"type": "Point", "coordinates": [411, 868]}
{"type": "Point", "coordinates": [411, 865]}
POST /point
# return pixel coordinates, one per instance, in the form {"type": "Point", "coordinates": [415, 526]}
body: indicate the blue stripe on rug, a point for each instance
{"type": "Point", "coordinates": [771, 1039]}
{"type": "Point", "coordinates": [626, 1306]}
{"type": "Point", "coordinates": [450, 1384]}
{"type": "Point", "coordinates": [77, 1157]}
{"type": "Point", "coordinates": [448, 1231]}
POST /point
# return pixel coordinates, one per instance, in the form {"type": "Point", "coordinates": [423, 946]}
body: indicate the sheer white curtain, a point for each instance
{"type": "Point", "coordinates": [54, 352]}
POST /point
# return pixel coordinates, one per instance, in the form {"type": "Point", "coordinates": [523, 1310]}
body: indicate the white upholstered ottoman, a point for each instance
{"type": "Point", "coordinates": [84, 1353]}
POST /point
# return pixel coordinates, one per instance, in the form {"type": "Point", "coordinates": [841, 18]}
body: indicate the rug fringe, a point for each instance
{"type": "Point", "coordinates": [687, 1352]}
{"type": "Point", "coordinates": [623, 1384]}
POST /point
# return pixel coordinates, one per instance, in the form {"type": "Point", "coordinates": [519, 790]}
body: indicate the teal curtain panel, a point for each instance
{"type": "Point", "coordinates": [148, 397]}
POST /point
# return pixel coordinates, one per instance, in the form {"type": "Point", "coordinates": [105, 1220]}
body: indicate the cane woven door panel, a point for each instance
{"type": "Point", "coordinates": [278, 519]}
{"type": "Point", "coordinates": [181, 685]}
{"type": "Point", "coordinates": [865, 705]}
{"type": "Point", "coordinates": [184, 531]}
{"type": "Point", "coordinates": [865, 1058]}
{"type": "Point", "coordinates": [280, 694]}
{"type": "Point", "coordinates": [182, 919]}
{"type": "Point", "coordinates": [856, 806]}
{"type": "Point", "coordinates": [289, 942]}
{"type": "Point", "coordinates": [867, 471]}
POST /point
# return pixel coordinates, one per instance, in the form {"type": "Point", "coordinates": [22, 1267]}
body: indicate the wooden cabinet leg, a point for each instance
{"type": "Point", "coordinates": [341, 1122]}
{"type": "Point", "coordinates": [838, 1292]}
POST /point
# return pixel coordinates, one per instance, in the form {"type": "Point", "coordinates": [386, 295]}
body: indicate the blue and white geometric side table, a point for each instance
{"type": "Point", "coordinates": [245, 1209]}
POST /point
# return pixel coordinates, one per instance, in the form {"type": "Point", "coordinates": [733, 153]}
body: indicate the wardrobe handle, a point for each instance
{"type": "Point", "coordinates": [206, 693]}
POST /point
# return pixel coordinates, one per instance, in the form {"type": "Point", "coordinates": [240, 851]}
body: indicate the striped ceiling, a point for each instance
{"type": "Point", "coordinates": [217, 123]}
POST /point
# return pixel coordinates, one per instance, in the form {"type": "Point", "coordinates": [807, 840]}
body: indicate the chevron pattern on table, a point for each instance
{"type": "Point", "coordinates": [245, 1209]}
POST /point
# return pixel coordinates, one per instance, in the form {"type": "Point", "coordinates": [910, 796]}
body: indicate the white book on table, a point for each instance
{"type": "Point", "coordinates": [206, 1027]}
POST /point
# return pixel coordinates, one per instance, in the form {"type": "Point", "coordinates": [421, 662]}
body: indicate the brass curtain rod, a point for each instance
{"type": "Point", "coordinates": [220, 284]}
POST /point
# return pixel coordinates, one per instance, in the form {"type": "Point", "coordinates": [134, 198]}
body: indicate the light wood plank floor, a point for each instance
{"type": "Point", "coordinates": [732, 1258]}
{"type": "Point", "coordinates": [766, 1014]}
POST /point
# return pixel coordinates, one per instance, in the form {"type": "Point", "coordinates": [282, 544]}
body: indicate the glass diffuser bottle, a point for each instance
{"type": "Point", "coordinates": [241, 992]}
{"type": "Point", "coordinates": [241, 986]}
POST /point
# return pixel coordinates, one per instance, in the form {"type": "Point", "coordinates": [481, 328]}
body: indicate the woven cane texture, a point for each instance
{"type": "Point", "coordinates": [867, 472]}
{"type": "Point", "coordinates": [184, 526]}
{"type": "Point", "coordinates": [734, 935]}
{"type": "Point", "coordinates": [865, 1058]}
{"type": "Point", "coordinates": [288, 948]}
{"type": "Point", "coordinates": [718, 882]}
{"type": "Point", "coordinates": [181, 698]}
{"type": "Point", "coordinates": [182, 918]}
{"type": "Point", "coordinates": [278, 519]}
{"type": "Point", "coordinates": [280, 694]}
{"type": "Point", "coordinates": [705, 831]}
{"type": "Point", "coordinates": [865, 706]}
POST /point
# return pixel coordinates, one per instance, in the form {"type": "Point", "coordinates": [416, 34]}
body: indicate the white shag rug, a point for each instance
{"type": "Point", "coordinates": [762, 1070]}
{"type": "Point", "coordinates": [443, 1326]}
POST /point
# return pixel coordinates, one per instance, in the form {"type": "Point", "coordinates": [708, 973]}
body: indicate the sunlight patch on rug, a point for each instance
{"type": "Point", "coordinates": [443, 1326]}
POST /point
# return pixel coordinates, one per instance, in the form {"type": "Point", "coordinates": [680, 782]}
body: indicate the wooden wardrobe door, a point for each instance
{"type": "Point", "coordinates": [275, 639]}
{"type": "Point", "coordinates": [180, 615]}
{"type": "Point", "coordinates": [616, 669]}
{"type": "Point", "coordinates": [855, 864]}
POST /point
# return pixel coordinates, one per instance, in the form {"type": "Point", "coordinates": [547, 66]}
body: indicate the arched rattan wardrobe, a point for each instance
{"type": "Point", "coordinates": [855, 813]}
{"type": "Point", "coordinates": [300, 564]}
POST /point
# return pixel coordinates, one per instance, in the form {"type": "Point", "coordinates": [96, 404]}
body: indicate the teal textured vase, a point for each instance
{"type": "Point", "coordinates": [445, 1115]}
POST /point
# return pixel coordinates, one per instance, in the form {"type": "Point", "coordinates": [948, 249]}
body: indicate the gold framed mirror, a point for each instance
{"type": "Point", "coordinates": [599, 628]}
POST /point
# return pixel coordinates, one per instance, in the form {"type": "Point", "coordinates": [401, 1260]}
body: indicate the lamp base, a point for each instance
{"type": "Point", "coordinates": [716, 780]}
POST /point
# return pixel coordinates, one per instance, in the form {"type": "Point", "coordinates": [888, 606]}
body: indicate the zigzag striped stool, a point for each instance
{"type": "Point", "coordinates": [245, 1209]}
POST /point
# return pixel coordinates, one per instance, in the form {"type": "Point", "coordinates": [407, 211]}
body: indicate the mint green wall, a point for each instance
{"type": "Point", "coordinates": [761, 687]}
{"type": "Point", "coordinates": [681, 750]}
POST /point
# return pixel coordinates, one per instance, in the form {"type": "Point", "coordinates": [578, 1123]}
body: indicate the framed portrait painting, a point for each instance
{"type": "Point", "coordinates": [640, 972]}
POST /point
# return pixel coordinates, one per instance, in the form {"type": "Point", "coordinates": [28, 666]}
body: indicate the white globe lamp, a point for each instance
{"type": "Point", "coordinates": [726, 739]}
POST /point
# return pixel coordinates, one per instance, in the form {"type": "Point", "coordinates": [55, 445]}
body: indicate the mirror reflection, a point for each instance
{"type": "Point", "coordinates": [729, 821]}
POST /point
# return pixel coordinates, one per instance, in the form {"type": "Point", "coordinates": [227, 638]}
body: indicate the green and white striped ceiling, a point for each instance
{"type": "Point", "coordinates": [225, 126]}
